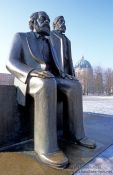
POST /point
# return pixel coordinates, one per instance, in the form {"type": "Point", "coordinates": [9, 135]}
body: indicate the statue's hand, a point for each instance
{"type": "Point", "coordinates": [41, 74]}
{"type": "Point", "coordinates": [70, 77]}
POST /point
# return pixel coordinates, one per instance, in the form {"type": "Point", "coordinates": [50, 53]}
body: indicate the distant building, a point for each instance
{"type": "Point", "coordinates": [6, 79]}
{"type": "Point", "coordinates": [84, 73]}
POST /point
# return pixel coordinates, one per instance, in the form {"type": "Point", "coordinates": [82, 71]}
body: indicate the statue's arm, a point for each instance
{"type": "Point", "coordinates": [41, 74]}
{"type": "Point", "coordinates": [14, 64]}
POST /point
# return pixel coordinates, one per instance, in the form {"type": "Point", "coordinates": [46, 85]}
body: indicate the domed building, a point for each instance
{"type": "Point", "coordinates": [84, 73]}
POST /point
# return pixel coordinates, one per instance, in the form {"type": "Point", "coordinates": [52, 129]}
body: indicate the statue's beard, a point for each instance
{"type": "Point", "coordinates": [44, 29]}
{"type": "Point", "coordinates": [61, 28]}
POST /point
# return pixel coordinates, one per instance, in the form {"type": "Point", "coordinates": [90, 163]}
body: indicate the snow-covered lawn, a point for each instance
{"type": "Point", "coordinates": [98, 104]}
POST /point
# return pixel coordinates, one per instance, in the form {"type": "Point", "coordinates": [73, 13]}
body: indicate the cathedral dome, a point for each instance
{"type": "Point", "coordinates": [83, 64]}
{"type": "Point", "coordinates": [84, 73]}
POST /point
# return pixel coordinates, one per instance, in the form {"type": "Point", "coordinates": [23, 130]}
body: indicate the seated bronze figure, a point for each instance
{"type": "Point", "coordinates": [42, 65]}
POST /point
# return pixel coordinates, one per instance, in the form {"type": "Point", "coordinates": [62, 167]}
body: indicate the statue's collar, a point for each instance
{"type": "Point", "coordinates": [37, 35]}
{"type": "Point", "coordinates": [59, 33]}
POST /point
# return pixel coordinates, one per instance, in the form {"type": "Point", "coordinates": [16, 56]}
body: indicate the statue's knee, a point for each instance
{"type": "Point", "coordinates": [36, 84]}
{"type": "Point", "coordinates": [50, 84]}
{"type": "Point", "coordinates": [77, 87]}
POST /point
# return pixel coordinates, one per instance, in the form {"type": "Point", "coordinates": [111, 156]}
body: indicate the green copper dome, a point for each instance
{"type": "Point", "coordinates": [83, 64]}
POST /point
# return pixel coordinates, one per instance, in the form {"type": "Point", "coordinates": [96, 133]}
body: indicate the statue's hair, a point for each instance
{"type": "Point", "coordinates": [33, 18]}
{"type": "Point", "coordinates": [56, 20]}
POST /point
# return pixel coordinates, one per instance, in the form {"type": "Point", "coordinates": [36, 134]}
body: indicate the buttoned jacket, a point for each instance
{"type": "Point", "coordinates": [25, 57]}
{"type": "Point", "coordinates": [58, 45]}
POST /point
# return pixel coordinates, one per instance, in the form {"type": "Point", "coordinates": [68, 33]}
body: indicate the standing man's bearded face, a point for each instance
{"type": "Point", "coordinates": [60, 25]}
{"type": "Point", "coordinates": [42, 24]}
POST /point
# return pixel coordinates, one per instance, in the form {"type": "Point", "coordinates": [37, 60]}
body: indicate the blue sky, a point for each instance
{"type": "Point", "coordinates": [89, 26]}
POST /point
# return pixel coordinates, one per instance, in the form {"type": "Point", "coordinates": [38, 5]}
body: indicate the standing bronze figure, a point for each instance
{"type": "Point", "coordinates": [40, 72]}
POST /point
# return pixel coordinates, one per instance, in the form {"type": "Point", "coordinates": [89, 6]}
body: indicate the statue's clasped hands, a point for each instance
{"type": "Point", "coordinates": [41, 74]}
{"type": "Point", "coordinates": [69, 77]}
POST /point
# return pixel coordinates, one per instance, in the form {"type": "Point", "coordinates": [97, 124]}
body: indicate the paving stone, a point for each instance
{"type": "Point", "coordinates": [100, 165]}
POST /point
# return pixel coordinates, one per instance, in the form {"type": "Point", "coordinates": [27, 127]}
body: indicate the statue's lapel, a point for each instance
{"type": "Point", "coordinates": [57, 45]}
{"type": "Point", "coordinates": [33, 47]}
{"type": "Point", "coordinates": [54, 53]}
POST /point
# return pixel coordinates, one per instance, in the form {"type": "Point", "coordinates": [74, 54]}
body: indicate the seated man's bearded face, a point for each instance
{"type": "Point", "coordinates": [60, 25]}
{"type": "Point", "coordinates": [42, 24]}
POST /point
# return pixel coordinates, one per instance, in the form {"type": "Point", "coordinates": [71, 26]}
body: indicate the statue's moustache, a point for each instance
{"type": "Point", "coordinates": [45, 25]}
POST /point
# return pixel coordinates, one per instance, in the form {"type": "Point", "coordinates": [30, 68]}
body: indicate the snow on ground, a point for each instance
{"type": "Point", "coordinates": [98, 104]}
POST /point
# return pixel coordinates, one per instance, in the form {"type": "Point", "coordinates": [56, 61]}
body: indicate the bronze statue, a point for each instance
{"type": "Point", "coordinates": [40, 72]}
{"type": "Point", "coordinates": [62, 45]}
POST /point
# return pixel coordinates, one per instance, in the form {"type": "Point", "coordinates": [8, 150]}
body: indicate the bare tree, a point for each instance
{"type": "Point", "coordinates": [85, 77]}
{"type": "Point", "coordinates": [98, 80]}
{"type": "Point", "coordinates": [108, 81]}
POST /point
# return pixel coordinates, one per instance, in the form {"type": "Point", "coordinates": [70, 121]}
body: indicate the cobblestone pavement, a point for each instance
{"type": "Point", "coordinates": [101, 165]}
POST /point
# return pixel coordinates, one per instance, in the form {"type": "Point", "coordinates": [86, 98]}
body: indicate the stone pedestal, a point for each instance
{"type": "Point", "coordinates": [15, 125]}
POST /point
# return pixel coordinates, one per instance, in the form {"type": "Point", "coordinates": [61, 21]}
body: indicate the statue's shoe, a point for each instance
{"type": "Point", "coordinates": [55, 160]}
{"type": "Point", "coordinates": [86, 142]}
